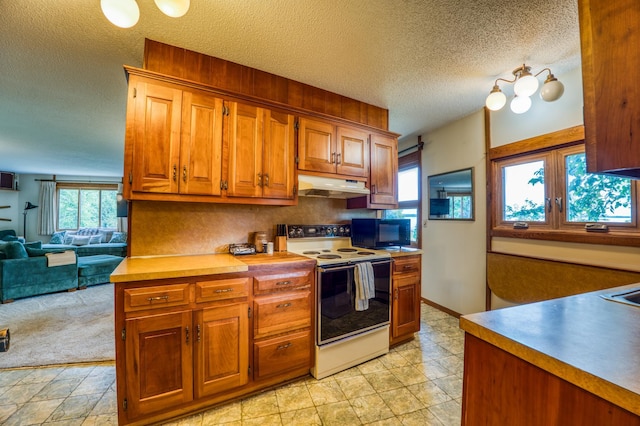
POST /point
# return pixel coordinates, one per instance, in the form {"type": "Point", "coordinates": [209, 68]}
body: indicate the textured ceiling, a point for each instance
{"type": "Point", "coordinates": [63, 89]}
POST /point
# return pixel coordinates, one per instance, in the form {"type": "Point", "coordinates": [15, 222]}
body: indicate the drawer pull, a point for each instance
{"type": "Point", "coordinates": [151, 299]}
{"type": "Point", "coordinates": [226, 290]}
{"type": "Point", "coordinates": [281, 347]}
{"type": "Point", "coordinates": [284, 305]}
{"type": "Point", "coordinates": [283, 283]}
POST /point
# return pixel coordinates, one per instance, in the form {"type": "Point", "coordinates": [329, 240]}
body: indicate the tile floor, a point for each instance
{"type": "Point", "coordinates": [417, 383]}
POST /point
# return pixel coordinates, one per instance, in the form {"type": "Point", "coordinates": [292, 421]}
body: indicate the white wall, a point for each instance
{"type": "Point", "coordinates": [453, 266]}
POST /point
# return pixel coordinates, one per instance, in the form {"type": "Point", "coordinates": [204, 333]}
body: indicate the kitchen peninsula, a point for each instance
{"type": "Point", "coordinates": [570, 361]}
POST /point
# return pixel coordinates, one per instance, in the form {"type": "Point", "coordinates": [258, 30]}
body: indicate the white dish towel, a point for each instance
{"type": "Point", "coordinates": [365, 285]}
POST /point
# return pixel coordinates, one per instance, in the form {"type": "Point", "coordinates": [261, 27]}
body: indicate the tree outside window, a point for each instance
{"type": "Point", "coordinates": [86, 207]}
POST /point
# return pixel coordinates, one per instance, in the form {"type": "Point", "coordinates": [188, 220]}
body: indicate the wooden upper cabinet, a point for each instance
{"type": "Point", "coordinates": [353, 152]}
{"type": "Point", "coordinates": [201, 144]}
{"type": "Point", "coordinates": [177, 142]}
{"type": "Point", "coordinates": [261, 152]}
{"type": "Point", "coordinates": [316, 146]}
{"type": "Point", "coordinates": [384, 170]}
{"type": "Point", "coordinates": [610, 36]}
{"type": "Point", "coordinates": [156, 147]}
{"type": "Point", "coordinates": [323, 147]}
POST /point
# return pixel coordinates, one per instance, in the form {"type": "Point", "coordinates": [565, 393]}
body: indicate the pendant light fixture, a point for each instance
{"type": "Point", "coordinates": [125, 13]}
{"type": "Point", "coordinates": [525, 84]}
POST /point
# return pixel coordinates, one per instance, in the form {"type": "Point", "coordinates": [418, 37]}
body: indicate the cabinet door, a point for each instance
{"type": "Point", "coordinates": [316, 146]}
{"type": "Point", "coordinates": [158, 362]}
{"type": "Point", "coordinates": [278, 155]}
{"type": "Point", "coordinates": [352, 156]}
{"type": "Point", "coordinates": [201, 144]}
{"type": "Point", "coordinates": [245, 150]}
{"type": "Point", "coordinates": [384, 170]}
{"type": "Point", "coordinates": [611, 91]}
{"type": "Point", "coordinates": [222, 349]}
{"type": "Point", "coordinates": [156, 145]}
{"type": "Point", "coordinates": [406, 305]}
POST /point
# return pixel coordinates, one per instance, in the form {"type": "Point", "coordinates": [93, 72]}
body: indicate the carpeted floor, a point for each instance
{"type": "Point", "coordinates": [60, 328]}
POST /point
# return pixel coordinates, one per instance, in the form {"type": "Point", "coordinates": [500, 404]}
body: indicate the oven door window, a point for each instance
{"type": "Point", "coordinates": [338, 317]}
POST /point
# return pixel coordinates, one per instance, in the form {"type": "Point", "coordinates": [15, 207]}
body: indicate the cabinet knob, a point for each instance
{"type": "Point", "coordinates": [175, 171]}
{"type": "Point", "coordinates": [338, 158]}
{"type": "Point", "coordinates": [266, 179]}
{"type": "Point", "coordinates": [184, 173]}
{"type": "Point", "coordinates": [333, 157]}
{"type": "Point", "coordinates": [259, 179]}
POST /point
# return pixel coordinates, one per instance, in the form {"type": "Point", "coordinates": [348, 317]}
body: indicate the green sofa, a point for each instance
{"type": "Point", "coordinates": [24, 272]}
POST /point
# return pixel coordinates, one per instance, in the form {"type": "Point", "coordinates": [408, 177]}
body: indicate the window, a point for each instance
{"type": "Point", "coordinates": [86, 206]}
{"type": "Point", "coordinates": [549, 192]}
{"type": "Point", "coordinates": [408, 195]}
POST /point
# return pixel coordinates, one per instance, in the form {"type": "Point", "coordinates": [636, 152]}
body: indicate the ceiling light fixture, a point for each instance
{"type": "Point", "coordinates": [525, 84]}
{"type": "Point", "coordinates": [125, 13]}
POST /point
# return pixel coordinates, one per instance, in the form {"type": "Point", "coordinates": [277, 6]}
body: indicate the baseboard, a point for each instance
{"type": "Point", "coordinates": [441, 308]}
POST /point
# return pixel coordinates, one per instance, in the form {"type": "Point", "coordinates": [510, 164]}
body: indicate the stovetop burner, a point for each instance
{"type": "Point", "coordinates": [347, 249]}
{"type": "Point", "coordinates": [310, 252]}
{"type": "Point", "coordinates": [365, 253]}
{"type": "Point", "coordinates": [329, 256]}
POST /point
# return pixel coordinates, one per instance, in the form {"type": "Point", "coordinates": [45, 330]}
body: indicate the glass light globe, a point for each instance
{"type": "Point", "coordinates": [526, 85]}
{"type": "Point", "coordinates": [121, 13]}
{"type": "Point", "coordinates": [520, 104]}
{"type": "Point", "coordinates": [552, 89]}
{"type": "Point", "coordinates": [173, 8]}
{"type": "Point", "coordinates": [496, 99]}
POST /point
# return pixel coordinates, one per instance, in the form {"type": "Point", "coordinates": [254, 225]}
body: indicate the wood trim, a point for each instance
{"type": "Point", "coordinates": [246, 81]}
{"type": "Point", "coordinates": [553, 140]}
{"type": "Point", "coordinates": [609, 238]}
{"type": "Point", "coordinates": [489, 197]}
{"type": "Point", "coordinates": [441, 308]}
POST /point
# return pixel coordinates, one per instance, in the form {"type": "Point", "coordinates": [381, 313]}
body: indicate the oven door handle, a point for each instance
{"type": "Point", "coordinates": [335, 268]}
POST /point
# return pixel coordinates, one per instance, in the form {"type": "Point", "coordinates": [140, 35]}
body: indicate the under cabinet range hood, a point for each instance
{"type": "Point", "coordinates": [317, 186]}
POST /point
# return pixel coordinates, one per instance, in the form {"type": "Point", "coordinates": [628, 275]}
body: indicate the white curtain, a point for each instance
{"type": "Point", "coordinates": [48, 208]}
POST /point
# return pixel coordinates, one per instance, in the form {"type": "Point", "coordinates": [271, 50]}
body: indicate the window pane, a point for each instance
{"type": "Point", "coordinates": [108, 208]}
{"type": "Point", "coordinates": [411, 214]}
{"type": "Point", "coordinates": [593, 197]}
{"type": "Point", "coordinates": [460, 206]}
{"type": "Point", "coordinates": [68, 209]}
{"type": "Point", "coordinates": [408, 184]}
{"type": "Point", "coordinates": [523, 192]}
{"type": "Point", "coordinates": [89, 208]}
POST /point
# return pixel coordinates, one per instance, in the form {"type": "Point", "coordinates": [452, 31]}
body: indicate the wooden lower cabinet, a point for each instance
{"type": "Point", "coordinates": [405, 309]}
{"type": "Point", "coordinates": [185, 344]}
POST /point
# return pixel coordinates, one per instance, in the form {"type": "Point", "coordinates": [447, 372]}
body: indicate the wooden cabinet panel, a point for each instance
{"type": "Point", "coordinates": [209, 291]}
{"type": "Point", "coordinates": [222, 349]}
{"type": "Point", "coordinates": [278, 355]}
{"type": "Point", "coordinates": [282, 281]}
{"type": "Point", "coordinates": [316, 146]}
{"type": "Point", "coordinates": [609, 35]}
{"type": "Point", "coordinates": [201, 144]}
{"type": "Point", "coordinates": [278, 314]}
{"type": "Point", "coordinates": [156, 149]}
{"type": "Point", "coordinates": [352, 152]}
{"type": "Point", "coordinates": [405, 308]}
{"type": "Point", "coordinates": [158, 362]}
{"type": "Point", "coordinates": [245, 150]}
{"type": "Point", "coordinates": [156, 297]}
{"type": "Point", "coordinates": [406, 264]}
{"type": "Point", "coordinates": [384, 170]}
{"type": "Point", "coordinates": [278, 155]}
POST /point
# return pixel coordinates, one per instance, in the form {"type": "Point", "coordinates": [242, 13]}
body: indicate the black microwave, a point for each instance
{"type": "Point", "coordinates": [375, 233]}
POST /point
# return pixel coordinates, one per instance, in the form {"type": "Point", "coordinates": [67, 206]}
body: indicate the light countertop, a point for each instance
{"type": "Point", "coordinates": [403, 251]}
{"type": "Point", "coordinates": [159, 267]}
{"type": "Point", "coordinates": [588, 341]}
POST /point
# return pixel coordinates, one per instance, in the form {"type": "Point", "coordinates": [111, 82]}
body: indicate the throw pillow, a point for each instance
{"type": "Point", "coordinates": [9, 238]}
{"type": "Point", "coordinates": [57, 237]}
{"type": "Point", "coordinates": [15, 250]}
{"type": "Point", "coordinates": [68, 237]}
{"type": "Point", "coordinates": [95, 239]}
{"type": "Point", "coordinates": [80, 240]}
{"type": "Point", "coordinates": [118, 237]}
{"type": "Point", "coordinates": [34, 252]}
{"type": "Point", "coordinates": [33, 244]}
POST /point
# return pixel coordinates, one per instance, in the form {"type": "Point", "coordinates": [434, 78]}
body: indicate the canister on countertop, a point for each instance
{"type": "Point", "coordinates": [269, 247]}
{"type": "Point", "coordinates": [259, 240]}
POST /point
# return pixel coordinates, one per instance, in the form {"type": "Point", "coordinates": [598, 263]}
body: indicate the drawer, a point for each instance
{"type": "Point", "coordinates": [280, 314]}
{"type": "Point", "coordinates": [281, 354]}
{"type": "Point", "coordinates": [406, 264]}
{"type": "Point", "coordinates": [210, 291]}
{"type": "Point", "coordinates": [162, 296]}
{"type": "Point", "coordinates": [277, 282]}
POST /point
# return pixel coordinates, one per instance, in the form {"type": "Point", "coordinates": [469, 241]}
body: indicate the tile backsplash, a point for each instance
{"type": "Point", "coordinates": [165, 228]}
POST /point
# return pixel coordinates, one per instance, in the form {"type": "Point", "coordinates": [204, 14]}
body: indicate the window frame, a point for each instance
{"type": "Point", "coordinates": [406, 162]}
{"type": "Point", "coordinates": [82, 186]}
{"type": "Point", "coordinates": [553, 148]}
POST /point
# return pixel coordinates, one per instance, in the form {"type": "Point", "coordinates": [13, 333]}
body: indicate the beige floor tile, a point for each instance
{"type": "Point", "coordinates": [449, 413]}
{"type": "Point", "coordinates": [41, 375]}
{"type": "Point", "coordinates": [303, 417]}
{"type": "Point", "coordinates": [293, 398]}
{"type": "Point", "coordinates": [12, 377]}
{"type": "Point", "coordinates": [371, 408]}
{"type": "Point", "coordinates": [355, 386]}
{"type": "Point", "coordinates": [393, 360]}
{"type": "Point", "coordinates": [33, 413]}
{"type": "Point", "coordinates": [338, 414]}
{"type": "Point", "coordinates": [21, 393]}
{"type": "Point", "coordinates": [271, 420]}
{"type": "Point", "coordinates": [57, 389]}
{"type": "Point", "coordinates": [74, 407]}
{"type": "Point", "coordinates": [260, 405]}
{"type": "Point", "coordinates": [421, 418]}
{"type": "Point", "coordinates": [106, 405]}
{"type": "Point", "coordinates": [401, 401]}
{"type": "Point", "coordinates": [6, 411]}
{"type": "Point", "coordinates": [429, 393]}
{"type": "Point", "coordinates": [383, 380]}
{"type": "Point", "coordinates": [101, 420]}
{"type": "Point", "coordinates": [409, 375]}
{"type": "Point", "coordinates": [224, 414]}
{"type": "Point", "coordinates": [326, 391]}
{"type": "Point", "coordinates": [452, 385]}
{"type": "Point", "coordinates": [371, 366]}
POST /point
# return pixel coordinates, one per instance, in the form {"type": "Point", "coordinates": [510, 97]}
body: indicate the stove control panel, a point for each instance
{"type": "Point", "coordinates": [318, 231]}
